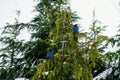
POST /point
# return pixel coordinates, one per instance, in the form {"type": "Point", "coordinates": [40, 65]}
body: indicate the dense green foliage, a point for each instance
{"type": "Point", "coordinates": [77, 56]}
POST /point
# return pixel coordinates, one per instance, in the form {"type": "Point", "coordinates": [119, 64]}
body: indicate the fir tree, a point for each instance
{"type": "Point", "coordinates": [74, 59]}
{"type": "Point", "coordinates": [113, 59]}
{"type": "Point", "coordinates": [11, 48]}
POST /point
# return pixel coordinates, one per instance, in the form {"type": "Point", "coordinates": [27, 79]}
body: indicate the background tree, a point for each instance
{"type": "Point", "coordinates": [113, 59]}
{"type": "Point", "coordinates": [10, 51]}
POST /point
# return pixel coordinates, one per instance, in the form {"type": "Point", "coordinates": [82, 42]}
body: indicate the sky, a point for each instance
{"type": "Point", "coordinates": [106, 12]}
{"type": "Point", "coordinates": [8, 13]}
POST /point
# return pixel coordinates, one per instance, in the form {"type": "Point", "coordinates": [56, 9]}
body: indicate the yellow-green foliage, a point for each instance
{"type": "Point", "coordinates": [73, 61]}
